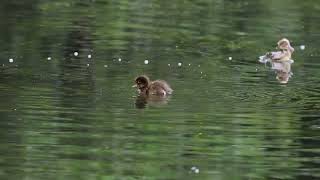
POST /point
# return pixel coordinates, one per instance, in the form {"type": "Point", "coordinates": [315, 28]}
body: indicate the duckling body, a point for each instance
{"type": "Point", "coordinates": [157, 87]}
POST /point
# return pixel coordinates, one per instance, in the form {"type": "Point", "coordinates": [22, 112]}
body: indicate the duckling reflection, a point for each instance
{"type": "Point", "coordinates": [151, 100]}
{"type": "Point", "coordinates": [151, 92]}
{"type": "Point", "coordinates": [280, 60]}
{"type": "Point", "coordinates": [283, 71]}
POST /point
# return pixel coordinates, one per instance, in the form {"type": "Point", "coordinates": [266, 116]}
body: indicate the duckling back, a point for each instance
{"type": "Point", "coordinates": [160, 87]}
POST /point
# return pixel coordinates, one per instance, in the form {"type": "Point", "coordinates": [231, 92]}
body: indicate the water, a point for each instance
{"type": "Point", "coordinates": [77, 117]}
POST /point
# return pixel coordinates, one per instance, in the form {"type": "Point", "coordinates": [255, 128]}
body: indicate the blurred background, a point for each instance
{"type": "Point", "coordinates": [68, 110]}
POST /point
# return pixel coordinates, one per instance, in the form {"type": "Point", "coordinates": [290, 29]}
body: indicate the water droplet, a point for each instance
{"type": "Point", "coordinates": [89, 56]}
{"type": "Point", "coordinates": [146, 62]}
{"type": "Point", "coordinates": [189, 64]}
{"type": "Point", "coordinates": [119, 60]}
{"type": "Point", "coordinates": [10, 60]}
{"type": "Point", "coordinates": [199, 65]}
{"type": "Point", "coordinates": [230, 58]}
{"type": "Point", "coordinates": [105, 66]}
{"type": "Point", "coordinates": [302, 47]}
{"type": "Point", "coordinates": [179, 64]}
{"type": "Point", "coordinates": [76, 53]}
{"type": "Point", "coordinates": [49, 58]}
{"type": "Point", "coordinates": [169, 64]}
{"type": "Point", "coordinates": [88, 64]}
{"type": "Point", "coordinates": [201, 72]}
{"type": "Point", "coordinates": [195, 169]}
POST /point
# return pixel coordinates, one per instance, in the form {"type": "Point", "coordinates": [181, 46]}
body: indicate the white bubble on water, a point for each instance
{"type": "Point", "coordinates": [105, 66]}
{"type": "Point", "coordinates": [146, 61]}
{"type": "Point", "coordinates": [169, 64]}
{"type": "Point", "coordinates": [189, 64]}
{"type": "Point", "coordinates": [195, 169]}
{"type": "Point", "coordinates": [88, 64]}
{"type": "Point", "coordinates": [76, 53]}
{"type": "Point", "coordinates": [179, 64]}
{"type": "Point", "coordinates": [89, 56]}
{"type": "Point", "coordinates": [302, 47]}
{"type": "Point", "coordinates": [230, 58]}
{"type": "Point", "coordinates": [119, 59]}
{"type": "Point", "coordinates": [49, 58]}
{"type": "Point", "coordinates": [199, 65]}
{"type": "Point", "coordinates": [10, 60]}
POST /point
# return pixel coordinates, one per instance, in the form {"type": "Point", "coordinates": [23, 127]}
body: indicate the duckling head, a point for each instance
{"type": "Point", "coordinates": [284, 44]}
{"type": "Point", "coordinates": [142, 82]}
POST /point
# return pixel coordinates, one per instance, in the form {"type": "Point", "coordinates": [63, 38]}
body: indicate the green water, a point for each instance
{"type": "Point", "coordinates": [73, 117]}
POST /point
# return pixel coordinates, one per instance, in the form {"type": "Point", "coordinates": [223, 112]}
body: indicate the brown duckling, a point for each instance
{"type": "Point", "coordinates": [283, 55]}
{"type": "Point", "coordinates": [285, 51]}
{"type": "Point", "coordinates": [147, 87]}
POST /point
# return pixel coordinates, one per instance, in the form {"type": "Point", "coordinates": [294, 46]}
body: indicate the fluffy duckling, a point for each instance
{"type": "Point", "coordinates": [283, 55]}
{"type": "Point", "coordinates": [147, 87]}
{"type": "Point", "coordinates": [280, 60]}
{"type": "Point", "coordinates": [285, 51]}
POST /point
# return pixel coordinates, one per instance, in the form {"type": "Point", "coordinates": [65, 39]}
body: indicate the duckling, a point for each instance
{"type": "Point", "coordinates": [283, 55]}
{"type": "Point", "coordinates": [280, 60]}
{"type": "Point", "coordinates": [147, 87]}
{"type": "Point", "coordinates": [285, 51]}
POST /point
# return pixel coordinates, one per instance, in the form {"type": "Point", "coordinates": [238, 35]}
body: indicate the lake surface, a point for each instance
{"type": "Point", "coordinates": [68, 110]}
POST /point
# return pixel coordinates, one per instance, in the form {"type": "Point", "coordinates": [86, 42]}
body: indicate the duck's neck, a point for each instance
{"type": "Point", "coordinates": [144, 90]}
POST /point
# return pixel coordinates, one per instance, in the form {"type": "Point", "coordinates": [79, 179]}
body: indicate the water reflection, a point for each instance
{"type": "Point", "coordinates": [151, 100]}
{"type": "Point", "coordinates": [283, 71]}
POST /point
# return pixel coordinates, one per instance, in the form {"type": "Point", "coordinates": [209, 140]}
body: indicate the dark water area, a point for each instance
{"type": "Point", "coordinates": [68, 110]}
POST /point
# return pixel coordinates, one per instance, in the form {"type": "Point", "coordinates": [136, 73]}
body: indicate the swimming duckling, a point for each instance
{"type": "Point", "coordinates": [283, 55]}
{"type": "Point", "coordinates": [285, 51]}
{"type": "Point", "coordinates": [280, 60]}
{"type": "Point", "coordinates": [147, 87]}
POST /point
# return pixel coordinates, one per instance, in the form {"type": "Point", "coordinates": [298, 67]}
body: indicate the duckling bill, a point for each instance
{"type": "Point", "coordinates": [147, 87]}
